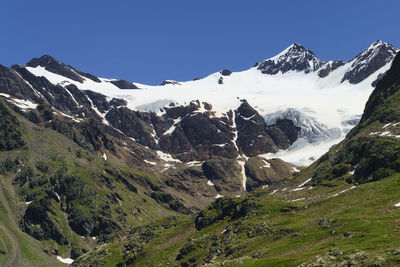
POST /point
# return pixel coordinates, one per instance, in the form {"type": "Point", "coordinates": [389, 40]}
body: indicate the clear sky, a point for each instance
{"type": "Point", "coordinates": [151, 41]}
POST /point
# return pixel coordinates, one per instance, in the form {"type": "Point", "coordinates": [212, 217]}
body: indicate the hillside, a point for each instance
{"type": "Point", "coordinates": [342, 210]}
{"type": "Point", "coordinates": [90, 180]}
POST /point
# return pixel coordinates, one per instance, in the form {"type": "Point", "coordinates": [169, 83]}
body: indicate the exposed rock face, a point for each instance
{"type": "Point", "coordinates": [195, 133]}
{"type": "Point", "coordinates": [122, 84]}
{"type": "Point", "coordinates": [172, 82]}
{"type": "Point", "coordinates": [255, 137]}
{"type": "Point", "coordinates": [134, 124]}
{"type": "Point", "coordinates": [289, 129]}
{"type": "Point", "coordinates": [260, 172]}
{"type": "Point", "coordinates": [11, 83]}
{"type": "Point", "coordinates": [369, 61]}
{"type": "Point", "coordinates": [294, 58]}
{"type": "Point", "coordinates": [328, 67]}
{"type": "Point", "coordinates": [225, 72]}
{"type": "Point", "coordinates": [55, 66]}
{"type": "Point", "coordinates": [225, 174]}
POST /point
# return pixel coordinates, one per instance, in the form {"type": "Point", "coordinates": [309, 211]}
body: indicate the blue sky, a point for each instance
{"type": "Point", "coordinates": [150, 41]}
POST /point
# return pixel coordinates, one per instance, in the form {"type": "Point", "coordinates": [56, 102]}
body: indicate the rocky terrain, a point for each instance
{"type": "Point", "coordinates": [86, 178]}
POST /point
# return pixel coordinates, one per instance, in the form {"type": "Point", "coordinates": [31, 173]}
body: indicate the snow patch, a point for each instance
{"type": "Point", "coordinates": [273, 192]}
{"type": "Point", "coordinates": [167, 157]}
{"type": "Point", "coordinates": [266, 164]}
{"type": "Point", "coordinates": [299, 199]}
{"type": "Point", "coordinates": [343, 191]}
{"type": "Point", "coordinates": [297, 189]}
{"type": "Point", "coordinates": [150, 162]}
{"type": "Point", "coordinates": [244, 177]}
{"type": "Point", "coordinates": [385, 133]}
{"type": "Point", "coordinates": [301, 185]}
{"type": "Point", "coordinates": [104, 156]}
{"type": "Point", "coordinates": [210, 183]}
{"type": "Point", "coordinates": [65, 260]}
{"type": "Point", "coordinates": [22, 104]}
{"type": "Point", "coordinates": [194, 163]}
{"type": "Point", "coordinates": [386, 125]}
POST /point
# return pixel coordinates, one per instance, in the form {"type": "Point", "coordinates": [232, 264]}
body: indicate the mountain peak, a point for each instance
{"type": "Point", "coordinates": [294, 58]}
{"type": "Point", "coordinates": [378, 43]}
{"type": "Point", "coordinates": [377, 55]}
{"type": "Point", "coordinates": [42, 61]}
{"type": "Point", "coordinates": [53, 65]}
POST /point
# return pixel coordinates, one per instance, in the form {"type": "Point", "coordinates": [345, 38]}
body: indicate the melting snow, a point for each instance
{"type": "Point", "coordinates": [244, 178]}
{"type": "Point", "coordinates": [341, 192]}
{"type": "Point", "coordinates": [297, 189]}
{"type": "Point", "coordinates": [308, 180]}
{"type": "Point", "coordinates": [65, 260]}
{"type": "Point", "coordinates": [28, 202]}
{"type": "Point", "coordinates": [266, 164]}
{"type": "Point", "coordinates": [397, 205]}
{"type": "Point", "coordinates": [210, 183]}
{"type": "Point", "coordinates": [104, 156]}
{"type": "Point", "coordinates": [22, 104]}
{"type": "Point", "coordinates": [167, 157]}
{"type": "Point", "coordinates": [218, 196]}
{"type": "Point", "coordinates": [386, 125]}
{"type": "Point", "coordinates": [150, 162]}
{"type": "Point", "coordinates": [299, 199]}
{"type": "Point", "coordinates": [273, 192]}
{"type": "Point", "coordinates": [194, 163]}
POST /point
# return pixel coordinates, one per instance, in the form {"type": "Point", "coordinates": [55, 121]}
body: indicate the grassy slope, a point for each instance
{"type": "Point", "coordinates": [361, 219]}
{"type": "Point", "coordinates": [46, 146]}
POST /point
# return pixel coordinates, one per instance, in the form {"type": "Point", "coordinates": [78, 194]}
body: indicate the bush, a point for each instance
{"type": "Point", "coordinates": [10, 136]}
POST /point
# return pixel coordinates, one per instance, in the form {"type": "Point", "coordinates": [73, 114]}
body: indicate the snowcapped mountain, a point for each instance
{"type": "Point", "coordinates": [293, 58]}
{"type": "Point", "coordinates": [322, 98]}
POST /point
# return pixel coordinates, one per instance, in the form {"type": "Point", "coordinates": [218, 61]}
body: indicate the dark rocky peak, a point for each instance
{"type": "Point", "coordinates": [369, 61]}
{"type": "Point", "coordinates": [118, 102]}
{"type": "Point", "coordinates": [293, 58]}
{"type": "Point", "coordinates": [287, 126]}
{"type": "Point", "coordinates": [55, 66]}
{"type": "Point", "coordinates": [122, 84]}
{"type": "Point", "coordinates": [255, 137]}
{"type": "Point", "coordinates": [225, 72]}
{"type": "Point", "coordinates": [247, 112]}
{"type": "Point", "coordinates": [175, 112]}
{"type": "Point", "coordinates": [13, 84]}
{"type": "Point", "coordinates": [170, 82]}
{"type": "Point", "coordinates": [386, 87]}
{"type": "Point", "coordinates": [328, 67]}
